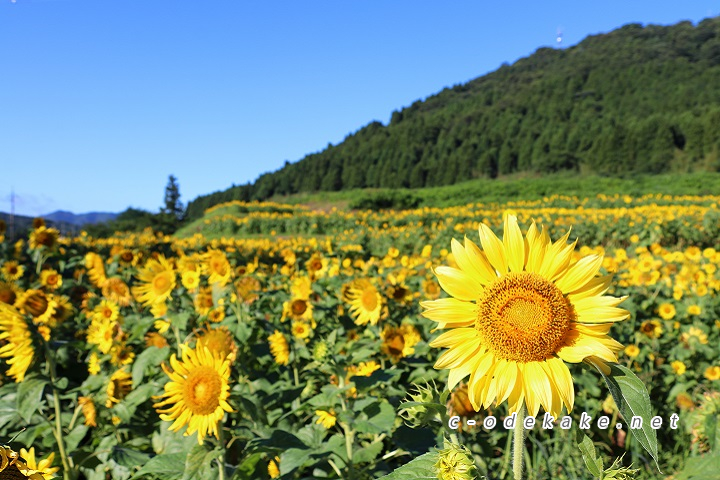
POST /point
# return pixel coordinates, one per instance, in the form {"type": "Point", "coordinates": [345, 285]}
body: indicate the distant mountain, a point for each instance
{"type": "Point", "coordinates": [640, 99]}
{"type": "Point", "coordinates": [80, 219]}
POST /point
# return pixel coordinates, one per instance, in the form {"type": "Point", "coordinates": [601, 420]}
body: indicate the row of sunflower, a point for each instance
{"type": "Point", "coordinates": [147, 356]}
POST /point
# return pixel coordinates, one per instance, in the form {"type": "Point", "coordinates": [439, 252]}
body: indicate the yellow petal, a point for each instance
{"type": "Point", "coordinates": [537, 384]}
{"type": "Point", "coordinates": [456, 356]}
{"type": "Point", "coordinates": [514, 244]}
{"type": "Point", "coordinates": [456, 336]}
{"type": "Point", "coordinates": [462, 371]}
{"type": "Point", "coordinates": [494, 249]}
{"type": "Point", "coordinates": [450, 311]}
{"type": "Point", "coordinates": [477, 377]}
{"type": "Point", "coordinates": [580, 274]}
{"type": "Point", "coordinates": [595, 287]}
{"type": "Point", "coordinates": [485, 270]}
{"type": "Point", "coordinates": [563, 382]}
{"type": "Point", "coordinates": [507, 376]}
{"type": "Point", "coordinates": [458, 284]}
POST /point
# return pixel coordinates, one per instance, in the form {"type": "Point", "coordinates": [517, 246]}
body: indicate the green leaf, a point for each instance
{"type": "Point", "coordinates": [168, 467]}
{"type": "Point", "coordinates": [632, 399]}
{"type": "Point", "coordinates": [593, 462]}
{"type": "Point", "coordinates": [293, 458]}
{"type": "Point", "coordinates": [128, 457]}
{"type": "Point", "coordinates": [73, 439]}
{"type": "Point", "coordinates": [29, 396]}
{"type": "Point", "coordinates": [376, 418]}
{"type": "Point", "coordinates": [151, 356]}
{"type": "Point", "coordinates": [247, 468]}
{"type": "Point", "coordinates": [179, 320]}
{"type": "Point", "coordinates": [712, 430]}
{"type": "Point", "coordinates": [282, 440]}
{"type": "Point", "coordinates": [199, 461]}
{"type": "Point", "coordinates": [368, 454]}
{"type": "Point", "coordinates": [376, 378]}
{"type": "Point", "coordinates": [421, 468]}
{"type": "Point", "coordinates": [706, 467]}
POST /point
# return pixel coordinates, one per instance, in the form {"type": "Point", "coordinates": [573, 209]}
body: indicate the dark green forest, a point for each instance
{"type": "Point", "coordinates": [636, 100]}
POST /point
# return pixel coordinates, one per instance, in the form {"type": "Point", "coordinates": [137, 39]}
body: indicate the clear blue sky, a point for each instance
{"type": "Point", "coordinates": [101, 100]}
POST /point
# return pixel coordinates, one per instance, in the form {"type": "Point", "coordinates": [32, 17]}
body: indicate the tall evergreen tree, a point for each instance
{"type": "Point", "coordinates": [173, 206]}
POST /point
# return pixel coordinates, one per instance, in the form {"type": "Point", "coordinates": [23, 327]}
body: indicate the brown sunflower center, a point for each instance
{"type": "Point", "coordinates": [36, 304]}
{"type": "Point", "coordinates": [523, 317]}
{"type": "Point", "coordinates": [395, 344]}
{"type": "Point", "coordinates": [202, 390]}
{"type": "Point", "coordinates": [369, 299]}
{"type": "Point", "coordinates": [298, 307]}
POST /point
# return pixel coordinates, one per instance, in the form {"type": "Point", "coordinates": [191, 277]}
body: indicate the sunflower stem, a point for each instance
{"type": "Point", "coordinates": [519, 444]}
{"type": "Point", "coordinates": [68, 471]}
{"type": "Point", "coordinates": [221, 459]}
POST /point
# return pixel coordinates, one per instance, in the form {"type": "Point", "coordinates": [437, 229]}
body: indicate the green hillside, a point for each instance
{"type": "Point", "coordinates": [636, 100]}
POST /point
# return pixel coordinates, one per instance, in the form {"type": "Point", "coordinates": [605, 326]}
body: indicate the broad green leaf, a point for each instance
{"type": "Point", "coordinates": [151, 356]}
{"type": "Point", "coordinates": [168, 467]}
{"type": "Point", "coordinates": [593, 462]}
{"type": "Point", "coordinates": [421, 468]}
{"type": "Point", "coordinates": [282, 440]}
{"type": "Point", "coordinates": [29, 396]}
{"type": "Point", "coordinates": [632, 399]}
{"type": "Point", "coordinates": [179, 320]}
{"type": "Point", "coordinates": [368, 454]}
{"type": "Point", "coordinates": [199, 462]}
{"type": "Point", "coordinates": [247, 468]}
{"type": "Point", "coordinates": [706, 467]}
{"type": "Point", "coordinates": [128, 457]}
{"type": "Point", "coordinates": [73, 439]}
{"type": "Point", "coordinates": [712, 431]}
{"type": "Point", "coordinates": [293, 458]}
{"type": "Point", "coordinates": [376, 418]}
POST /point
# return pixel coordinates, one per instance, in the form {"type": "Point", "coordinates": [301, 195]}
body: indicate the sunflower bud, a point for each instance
{"type": "Point", "coordinates": [616, 472]}
{"type": "Point", "coordinates": [455, 463]}
{"type": "Point", "coordinates": [418, 409]}
{"type": "Point", "coordinates": [320, 350]}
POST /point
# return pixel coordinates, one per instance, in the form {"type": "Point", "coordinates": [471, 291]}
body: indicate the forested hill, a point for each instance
{"type": "Point", "coordinates": [638, 99]}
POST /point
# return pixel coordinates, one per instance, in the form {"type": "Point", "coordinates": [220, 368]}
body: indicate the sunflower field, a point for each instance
{"type": "Point", "coordinates": [276, 341]}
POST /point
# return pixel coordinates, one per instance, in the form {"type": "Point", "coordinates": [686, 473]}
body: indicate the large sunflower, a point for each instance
{"type": "Point", "coordinates": [197, 392]}
{"type": "Point", "coordinates": [19, 348]}
{"type": "Point", "coordinates": [159, 281]}
{"type": "Point", "coordinates": [518, 310]}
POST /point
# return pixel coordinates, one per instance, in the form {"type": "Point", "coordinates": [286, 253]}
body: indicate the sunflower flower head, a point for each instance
{"type": "Point", "coordinates": [17, 342]}
{"type": "Point", "coordinates": [158, 282]}
{"type": "Point", "coordinates": [326, 418]}
{"type": "Point", "coordinates": [279, 348]}
{"type": "Point", "coordinates": [197, 392]}
{"type": "Point", "coordinates": [519, 308]}
{"type": "Point", "coordinates": [366, 303]}
{"type": "Point", "coordinates": [39, 470]}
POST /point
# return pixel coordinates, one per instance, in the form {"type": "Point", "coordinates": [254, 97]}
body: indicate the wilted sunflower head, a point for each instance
{"type": "Point", "coordinates": [43, 237]}
{"type": "Point", "coordinates": [520, 308]}
{"type": "Point", "coordinates": [218, 340]}
{"type": "Point", "coordinates": [247, 289]}
{"type": "Point", "coordinates": [8, 292]}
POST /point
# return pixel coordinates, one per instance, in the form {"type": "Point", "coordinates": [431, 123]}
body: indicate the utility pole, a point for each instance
{"type": "Point", "coordinates": [12, 213]}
